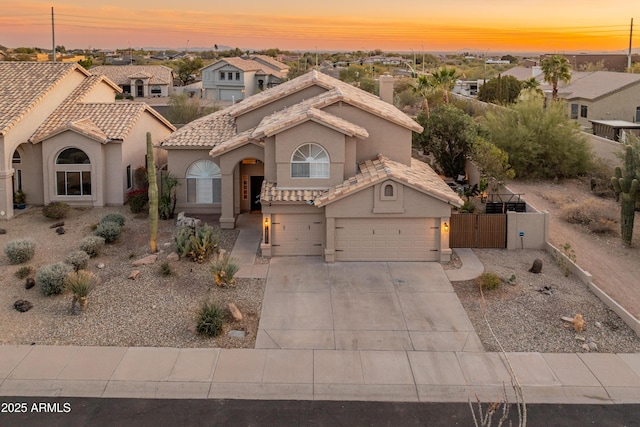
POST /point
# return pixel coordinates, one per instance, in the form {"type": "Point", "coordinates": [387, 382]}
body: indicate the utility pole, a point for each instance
{"type": "Point", "coordinates": [630, 39]}
{"type": "Point", "coordinates": [53, 36]}
{"type": "Point", "coordinates": [422, 59]}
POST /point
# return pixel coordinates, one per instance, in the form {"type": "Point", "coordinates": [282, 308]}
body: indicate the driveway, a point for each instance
{"type": "Point", "coordinates": [309, 304]}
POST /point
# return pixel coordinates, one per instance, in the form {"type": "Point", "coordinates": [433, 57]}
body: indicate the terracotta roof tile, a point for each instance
{"type": "Point", "coordinates": [273, 63]}
{"type": "Point", "coordinates": [271, 193]}
{"type": "Point", "coordinates": [122, 74]}
{"type": "Point", "coordinates": [206, 132]}
{"type": "Point", "coordinates": [234, 142]}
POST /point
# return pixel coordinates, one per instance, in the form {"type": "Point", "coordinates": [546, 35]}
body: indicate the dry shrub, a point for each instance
{"type": "Point", "coordinates": [604, 226]}
{"type": "Point", "coordinates": [587, 212]}
{"type": "Point", "coordinates": [600, 179]}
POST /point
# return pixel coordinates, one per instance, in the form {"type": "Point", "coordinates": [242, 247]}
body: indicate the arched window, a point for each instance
{"type": "Point", "coordinates": [73, 173]}
{"type": "Point", "coordinates": [388, 190]}
{"type": "Point", "coordinates": [204, 183]}
{"type": "Point", "coordinates": [310, 161]}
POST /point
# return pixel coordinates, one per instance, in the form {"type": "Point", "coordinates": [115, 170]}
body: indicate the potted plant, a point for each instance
{"type": "Point", "coordinates": [19, 199]}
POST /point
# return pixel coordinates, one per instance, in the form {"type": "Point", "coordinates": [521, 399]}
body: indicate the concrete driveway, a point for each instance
{"type": "Point", "coordinates": [309, 304]}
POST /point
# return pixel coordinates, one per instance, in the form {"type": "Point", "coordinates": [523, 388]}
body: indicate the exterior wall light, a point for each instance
{"type": "Point", "coordinates": [446, 227]}
{"type": "Point", "coordinates": [266, 231]}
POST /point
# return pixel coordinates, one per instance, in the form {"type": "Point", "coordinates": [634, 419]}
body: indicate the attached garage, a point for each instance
{"type": "Point", "coordinates": [387, 239]}
{"type": "Point", "coordinates": [231, 95]}
{"type": "Point", "coordinates": [297, 234]}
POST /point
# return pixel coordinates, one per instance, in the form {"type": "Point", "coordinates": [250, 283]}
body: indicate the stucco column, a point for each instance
{"type": "Point", "coordinates": [445, 232]}
{"type": "Point", "coordinates": [227, 218]}
{"type": "Point", "coordinates": [330, 248]}
{"type": "Point", "coordinates": [266, 235]}
{"type": "Point", "coordinates": [6, 194]}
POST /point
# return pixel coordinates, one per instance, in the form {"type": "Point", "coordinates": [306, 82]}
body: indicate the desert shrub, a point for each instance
{"type": "Point", "coordinates": [586, 212]}
{"type": "Point", "coordinates": [210, 320]}
{"type": "Point", "coordinates": [196, 244]}
{"type": "Point", "coordinates": [468, 207]}
{"type": "Point", "coordinates": [50, 278]}
{"type": "Point", "coordinates": [92, 245]}
{"type": "Point", "coordinates": [604, 226]}
{"type": "Point", "coordinates": [224, 270]}
{"type": "Point", "coordinates": [80, 282]}
{"type": "Point", "coordinates": [20, 250]}
{"type": "Point", "coordinates": [600, 178]}
{"type": "Point", "coordinates": [165, 269]}
{"type": "Point", "coordinates": [113, 217]}
{"type": "Point", "coordinates": [56, 210]}
{"type": "Point", "coordinates": [24, 272]}
{"type": "Point", "coordinates": [78, 260]}
{"type": "Point", "coordinates": [109, 231]}
{"type": "Point", "coordinates": [488, 281]}
{"type": "Point", "coordinates": [137, 199]}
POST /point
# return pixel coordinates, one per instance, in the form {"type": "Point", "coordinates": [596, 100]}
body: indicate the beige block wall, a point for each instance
{"type": "Point", "coordinates": [253, 118]}
{"type": "Point", "coordinates": [385, 137]}
{"type": "Point", "coordinates": [287, 142]}
{"type": "Point", "coordinates": [533, 225]}
{"type": "Point", "coordinates": [605, 149]}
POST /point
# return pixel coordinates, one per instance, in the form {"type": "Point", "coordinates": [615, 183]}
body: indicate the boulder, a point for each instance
{"type": "Point", "coordinates": [60, 230]}
{"type": "Point", "coordinates": [30, 283]}
{"type": "Point", "coordinates": [537, 266]}
{"type": "Point", "coordinates": [22, 305]}
{"type": "Point", "coordinates": [134, 274]}
{"type": "Point", "coordinates": [150, 259]}
{"type": "Point", "coordinates": [173, 257]}
{"type": "Point", "coordinates": [234, 311]}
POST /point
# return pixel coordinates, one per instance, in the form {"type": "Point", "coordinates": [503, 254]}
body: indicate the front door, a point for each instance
{"type": "Point", "coordinates": [256, 187]}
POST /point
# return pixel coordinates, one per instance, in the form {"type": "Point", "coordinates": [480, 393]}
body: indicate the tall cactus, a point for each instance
{"type": "Point", "coordinates": [153, 197]}
{"type": "Point", "coordinates": [627, 186]}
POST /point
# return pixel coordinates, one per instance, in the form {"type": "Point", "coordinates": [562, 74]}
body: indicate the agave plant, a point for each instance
{"type": "Point", "coordinates": [80, 284]}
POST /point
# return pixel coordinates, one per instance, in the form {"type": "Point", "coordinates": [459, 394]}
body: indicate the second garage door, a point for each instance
{"type": "Point", "coordinates": [231, 95]}
{"type": "Point", "coordinates": [388, 239]}
{"type": "Point", "coordinates": [297, 234]}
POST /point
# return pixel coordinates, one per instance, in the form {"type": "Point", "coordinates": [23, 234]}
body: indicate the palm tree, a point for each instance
{"type": "Point", "coordinates": [445, 79]}
{"type": "Point", "coordinates": [424, 86]}
{"type": "Point", "coordinates": [556, 68]}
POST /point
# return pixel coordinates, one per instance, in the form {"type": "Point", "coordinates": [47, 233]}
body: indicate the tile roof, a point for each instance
{"type": "Point", "coordinates": [596, 84]}
{"type": "Point", "coordinates": [84, 127]}
{"type": "Point", "coordinates": [235, 142]}
{"type": "Point", "coordinates": [271, 193]}
{"type": "Point", "coordinates": [419, 176]}
{"type": "Point", "coordinates": [273, 63]}
{"type": "Point", "coordinates": [249, 65]}
{"type": "Point", "coordinates": [122, 74]}
{"type": "Point", "coordinates": [207, 131]}
{"type": "Point", "coordinates": [24, 84]}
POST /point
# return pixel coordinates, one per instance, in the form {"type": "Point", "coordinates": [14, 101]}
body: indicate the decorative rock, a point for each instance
{"type": "Point", "coordinates": [30, 283]}
{"type": "Point", "coordinates": [580, 338]}
{"type": "Point", "coordinates": [234, 311]}
{"type": "Point", "coordinates": [536, 267]}
{"type": "Point", "coordinates": [60, 230]}
{"type": "Point", "coordinates": [145, 261]}
{"type": "Point", "coordinates": [585, 347]}
{"type": "Point", "coordinates": [183, 220]}
{"type": "Point", "coordinates": [173, 257]}
{"type": "Point", "coordinates": [57, 224]}
{"type": "Point", "coordinates": [597, 325]}
{"type": "Point", "coordinates": [3, 231]}
{"type": "Point", "coordinates": [166, 244]}
{"type": "Point", "coordinates": [100, 265]}
{"type": "Point", "coordinates": [592, 345]}
{"type": "Point", "coordinates": [22, 305]}
{"type": "Point", "coordinates": [134, 274]}
{"type": "Point", "coordinates": [221, 252]}
{"type": "Point", "coordinates": [237, 334]}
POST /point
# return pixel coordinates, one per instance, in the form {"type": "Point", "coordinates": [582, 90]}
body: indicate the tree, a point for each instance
{"type": "Point", "coordinates": [556, 68]}
{"type": "Point", "coordinates": [449, 134]}
{"type": "Point", "coordinates": [86, 63]}
{"type": "Point", "coordinates": [491, 160]}
{"type": "Point", "coordinates": [445, 79]}
{"type": "Point", "coordinates": [500, 90]}
{"type": "Point", "coordinates": [425, 87]}
{"type": "Point", "coordinates": [541, 142]}
{"type": "Point", "coordinates": [184, 109]}
{"type": "Point", "coordinates": [187, 69]}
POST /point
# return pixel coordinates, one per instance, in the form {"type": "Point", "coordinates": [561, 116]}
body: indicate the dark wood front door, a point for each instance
{"type": "Point", "coordinates": [256, 186]}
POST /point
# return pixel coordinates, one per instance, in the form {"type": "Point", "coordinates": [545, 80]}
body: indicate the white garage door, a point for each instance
{"type": "Point", "coordinates": [297, 234]}
{"type": "Point", "coordinates": [388, 239]}
{"type": "Point", "coordinates": [231, 95]}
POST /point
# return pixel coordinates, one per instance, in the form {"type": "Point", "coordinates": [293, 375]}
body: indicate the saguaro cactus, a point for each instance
{"type": "Point", "coordinates": [153, 197]}
{"type": "Point", "coordinates": [627, 185]}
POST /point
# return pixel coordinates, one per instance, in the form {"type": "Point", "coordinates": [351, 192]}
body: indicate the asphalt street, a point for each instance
{"type": "Point", "coordinates": [67, 412]}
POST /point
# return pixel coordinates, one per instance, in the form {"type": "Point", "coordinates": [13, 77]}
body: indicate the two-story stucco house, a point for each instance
{"type": "Point", "coordinates": [141, 81]}
{"type": "Point", "coordinates": [233, 79]}
{"type": "Point", "coordinates": [64, 138]}
{"type": "Point", "coordinates": [327, 165]}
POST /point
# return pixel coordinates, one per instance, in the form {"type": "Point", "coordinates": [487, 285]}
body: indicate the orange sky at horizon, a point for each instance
{"type": "Point", "coordinates": [498, 25]}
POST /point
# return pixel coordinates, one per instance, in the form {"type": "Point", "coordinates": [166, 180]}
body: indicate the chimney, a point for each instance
{"type": "Point", "coordinates": [386, 88]}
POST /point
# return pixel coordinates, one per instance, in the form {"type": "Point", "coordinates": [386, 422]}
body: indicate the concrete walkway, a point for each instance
{"type": "Point", "coordinates": [471, 266]}
{"type": "Point", "coordinates": [246, 246]}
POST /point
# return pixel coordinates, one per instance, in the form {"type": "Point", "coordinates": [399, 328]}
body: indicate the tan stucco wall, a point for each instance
{"type": "Point", "coordinates": [604, 148]}
{"type": "Point", "coordinates": [385, 137]}
{"type": "Point", "coordinates": [620, 105]}
{"type": "Point", "coordinates": [178, 163]}
{"type": "Point", "coordinates": [288, 141]}
{"type": "Point", "coordinates": [253, 118]}
{"type": "Point", "coordinates": [114, 174]}
{"type": "Point", "coordinates": [101, 93]}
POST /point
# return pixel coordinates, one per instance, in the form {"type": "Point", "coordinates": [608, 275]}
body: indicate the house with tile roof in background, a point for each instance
{"type": "Point", "coordinates": [327, 166]}
{"type": "Point", "coordinates": [233, 79]}
{"type": "Point", "coordinates": [140, 81]}
{"type": "Point", "coordinates": [64, 138]}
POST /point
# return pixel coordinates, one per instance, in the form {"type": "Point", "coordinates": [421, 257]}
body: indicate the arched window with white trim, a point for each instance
{"type": "Point", "coordinates": [310, 161]}
{"type": "Point", "coordinates": [204, 183]}
{"type": "Point", "coordinates": [73, 173]}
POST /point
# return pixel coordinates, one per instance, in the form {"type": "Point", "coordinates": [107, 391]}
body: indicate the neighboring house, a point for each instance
{"type": "Point", "coordinates": [610, 62]}
{"type": "Point", "coordinates": [602, 95]}
{"type": "Point", "coordinates": [141, 81]}
{"type": "Point", "coordinates": [327, 165]}
{"type": "Point", "coordinates": [64, 138]}
{"type": "Point", "coordinates": [525, 73]}
{"type": "Point", "coordinates": [233, 79]}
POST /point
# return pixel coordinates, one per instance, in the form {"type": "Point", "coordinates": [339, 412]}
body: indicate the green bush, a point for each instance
{"type": "Point", "coordinates": [24, 272]}
{"type": "Point", "coordinates": [50, 278]}
{"type": "Point", "coordinates": [137, 199]}
{"type": "Point", "coordinates": [78, 260]}
{"type": "Point", "coordinates": [114, 217]}
{"type": "Point", "coordinates": [165, 268]}
{"type": "Point", "coordinates": [20, 250]}
{"type": "Point", "coordinates": [109, 231]}
{"type": "Point", "coordinates": [210, 320]}
{"type": "Point", "coordinates": [92, 245]}
{"type": "Point", "coordinates": [488, 281]}
{"type": "Point", "coordinates": [56, 210]}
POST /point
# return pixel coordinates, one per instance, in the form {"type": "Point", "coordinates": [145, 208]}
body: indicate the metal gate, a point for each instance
{"type": "Point", "coordinates": [478, 231]}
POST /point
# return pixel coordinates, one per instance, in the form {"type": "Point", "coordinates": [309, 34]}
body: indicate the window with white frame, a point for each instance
{"type": "Point", "coordinates": [310, 161]}
{"type": "Point", "coordinates": [73, 173]}
{"type": "Point", "coordinates": [204, 183]}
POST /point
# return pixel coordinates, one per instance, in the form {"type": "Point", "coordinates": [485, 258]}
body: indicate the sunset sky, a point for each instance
{"type": "Point", "coordinates": [421, 25]}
